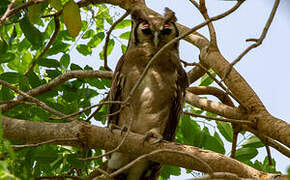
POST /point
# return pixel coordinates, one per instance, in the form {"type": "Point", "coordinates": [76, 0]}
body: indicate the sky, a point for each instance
{"type": "Point", "coordinates": [265, 68]}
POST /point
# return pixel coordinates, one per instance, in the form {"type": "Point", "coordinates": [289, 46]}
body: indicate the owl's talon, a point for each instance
{"type": "Point", "coordinates": [153, 134]}
{"type": "Point", "coordinates": [124, 129]}
{"type": "Point", "coordinates": [112, 127]}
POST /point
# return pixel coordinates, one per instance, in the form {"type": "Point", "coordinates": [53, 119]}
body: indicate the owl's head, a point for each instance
{"type": "Point", "coordinates": [154, 30]}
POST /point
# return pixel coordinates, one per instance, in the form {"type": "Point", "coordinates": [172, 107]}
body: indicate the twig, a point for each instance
{"type": "Point", "coordinates": [258, 41]}
{"type": "Point", "coordinates": [97, 110]}
{"type": "Point", "coordinates": [23, 6]}
{"type": "Point", "coordinates": [56, 82]}
{"type": "Point", "coordinates": [269, 154]}
{"type": "Point", "coordinates": [84, 110]}
{"type": "Point", "coordinates": [218, 82]}
{"type": "Point", "coordinates": [17, 147]}
{"type": "Point", "coordinates": [35, 100]}
{"type": "Point", "coordinates": [108, 38]}
{"type": "Point", "coordinates": [194, 3]}
{"type": "Point", "coordinates": [234, 144]}
{"type": "Point", "coordinates": [210, 75]}
{"type": "Point", "coordinates": [203, 11]}
{"type": "Point", "coordinates": [132, 163]}
{"type": "Point", "coordinates": [218, 119]}
{"type": "Point", "coordinates": [269, 141]}
{"type": "Point", "coordinates": [97, 172]}
{"type": "Point", "coordinates": [7, 13]}
{"type": "Point", "coordinates": [45, 49]}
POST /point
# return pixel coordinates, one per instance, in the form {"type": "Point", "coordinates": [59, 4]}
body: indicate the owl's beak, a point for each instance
{"type": "Point", "coordinates": [156, 39]}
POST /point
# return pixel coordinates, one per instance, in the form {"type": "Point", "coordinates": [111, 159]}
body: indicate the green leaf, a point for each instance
{"type": "Point", "coordinates": [206, 79]}
{"type": "Point", "coordinates": [50, 63]}
{"type": "Point", "coordinates": [6, 93]}
{"type": "Point", "coordinates": [167, 170]}
{"type": "Point", "coordinates": [33, 35]}
{"type": "Point", "coordinates": [189, 132]}
{"type": "Point", "coordinates": [84, 25]}
{"type": "Point", "coordinates": [100, 22]}
{"type": "Point", "coordinates": [53, 73]}
{"type": "Point", "coordinates": [210, 115]}
{"type": "Point", "coordinates": [64, 61]}
{"type": "Point", "coordinates": [96, 40]}
{"type": "Point", "coordinates": [124, 48]}
{"type": "Point", "coordinates": [226, 130]}
{"type": "Point", "coordinates": [56, 4]}
{"type": "Point", "coordinates": [10, 77]}
{"type": "Point", "coordinates": [84, 49]}
{"type": "Point", "coordinates": [24, 83]}
{"type": "Point", "coordinates": [72, 159]}
{"type": "Point", "coordinates": [45, 154]}
{"type": "Point", "coordinates": [212, 143]}
{"type": "Point", "coordinates": [3, 46]}
{"type": "Point", "coordinates": [33, 79]}
{"type": "Point", "coordinates": [123, 24]}
{"type": "Point", "coordinates": [125, 35]}
{"type": "Point", "coordinates": [57, 48]}
{"type": "Point", "coordinates": [34, 12]}
{"type": "Point", "coordinates": [246, 153]}
{"type": "Point", "coordinates": [109, 49]}
{"type": "Point", "coordinates": [88, 34]}
{"type": "Point", "coordinates": [4, 58]}
{"type": "Point", "coordinates": [72, 18]}
{"type": "Point", "coordinates": [75, 67]}
{"type": "Point", "coordinates": [253, 142]}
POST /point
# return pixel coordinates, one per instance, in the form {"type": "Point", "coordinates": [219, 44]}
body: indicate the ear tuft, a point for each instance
{"type": "Point", "coordinates": [170, 15]}
{"type": "Point", "coordinates": [138, 14]}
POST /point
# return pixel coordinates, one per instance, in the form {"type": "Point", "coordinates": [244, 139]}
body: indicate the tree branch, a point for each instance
{"type": "Point", "coordinates": [45, 49]}
{"type": "Point", "coordinates": [56, 82]}
{"type": "Point", "coordinates": [94, 137]}
{"type": "Point", "coordinates": [108, 38]}
{"type": "Point", "coordinates": [258, 41]}
{"type": "Point", "coordinates": [206, 90]}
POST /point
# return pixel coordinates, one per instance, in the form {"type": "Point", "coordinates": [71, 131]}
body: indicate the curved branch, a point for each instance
{"type": "Point", "coordinates": [206, 90]}
{"type": "Point", "coordinates": [45, 49]}
{"type": "Point", "coordinates": [214, 107]}
{"type": "Point", "coordinates": [94, 137]}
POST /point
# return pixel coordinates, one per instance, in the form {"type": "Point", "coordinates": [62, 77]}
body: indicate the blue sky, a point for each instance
{"type": "Point", "coordinates": [265, 68]}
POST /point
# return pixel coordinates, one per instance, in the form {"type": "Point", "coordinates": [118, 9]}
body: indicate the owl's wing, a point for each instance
{"type": "Point", "coordinates": [115, 92]}
{"type": "Point", "coordinates": [177, 105]}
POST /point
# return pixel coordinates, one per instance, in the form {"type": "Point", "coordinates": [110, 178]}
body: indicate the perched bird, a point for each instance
{"type": "Point", "coordinates": [156, 104]}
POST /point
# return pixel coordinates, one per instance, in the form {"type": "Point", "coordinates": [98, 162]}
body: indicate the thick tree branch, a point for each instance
{"type": "Point", "coordinates": [94, 137]}
{"type": "Point", "coordinates": [214, 107]}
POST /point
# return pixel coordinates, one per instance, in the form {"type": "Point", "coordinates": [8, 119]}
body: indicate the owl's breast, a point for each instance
{"type": "Point", "coordinates": [153, 99]}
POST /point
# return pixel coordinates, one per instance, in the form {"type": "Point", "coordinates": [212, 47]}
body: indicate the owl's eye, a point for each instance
{"type": "Point", "coordinates": [166, 29]}
{"type": "Point", "coordinates": [146, 29]}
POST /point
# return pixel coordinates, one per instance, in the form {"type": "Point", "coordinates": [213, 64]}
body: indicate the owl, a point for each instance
{"type": "Point", "coordinates": [156, 104]}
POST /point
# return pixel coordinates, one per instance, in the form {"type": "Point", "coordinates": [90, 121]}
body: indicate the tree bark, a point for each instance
{"type": "Point", "coordinates": [94, 137]}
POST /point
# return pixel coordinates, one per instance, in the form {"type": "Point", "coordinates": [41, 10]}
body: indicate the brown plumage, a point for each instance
{"type": "Point", "coordinates": [157, 103]}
